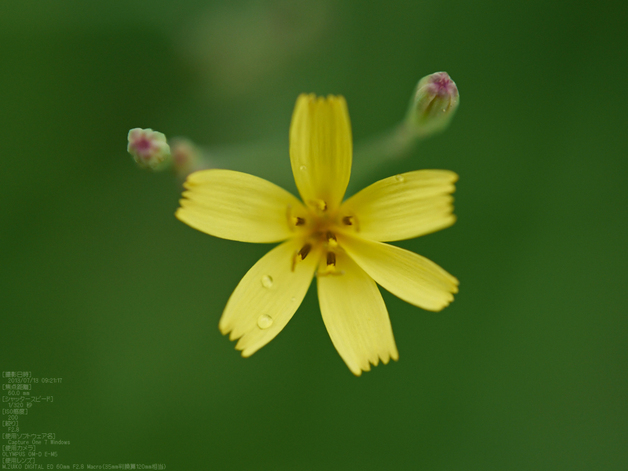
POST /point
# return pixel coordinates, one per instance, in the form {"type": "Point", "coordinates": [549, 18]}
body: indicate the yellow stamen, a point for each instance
{"type": "Point", "coordinates": [320, 205]}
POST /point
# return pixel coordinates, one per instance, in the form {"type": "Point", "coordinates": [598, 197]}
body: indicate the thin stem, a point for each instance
{"type": "Point", "coordinates": [394, 144]}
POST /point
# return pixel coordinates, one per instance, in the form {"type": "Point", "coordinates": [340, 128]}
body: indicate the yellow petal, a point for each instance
{"type": "Point", "coordinates": [355, 316]}
{"type": "Point", "coordinates": [237, 206]}
{"type": "Point", "coordinates": [407, 275]}
{"type": "Point", "coordinates": [321, 150]}
{"type": "Point", "coordinates": [267, 297]}
{"type": "Point", "coordinates": [404, 206]}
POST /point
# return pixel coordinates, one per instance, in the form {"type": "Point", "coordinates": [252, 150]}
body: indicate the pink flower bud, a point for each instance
{"type": "Point", "coordinates": [149, 148]}
{"type": "Point", "coordinates": [434, 103]}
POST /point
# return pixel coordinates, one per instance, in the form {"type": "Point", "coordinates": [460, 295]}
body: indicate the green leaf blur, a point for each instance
{"type": "Point", "coordinates": [103, 287]}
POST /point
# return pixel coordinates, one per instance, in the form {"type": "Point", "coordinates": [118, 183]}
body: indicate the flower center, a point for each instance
{"type": "Point", "coordinates": [317, 228]}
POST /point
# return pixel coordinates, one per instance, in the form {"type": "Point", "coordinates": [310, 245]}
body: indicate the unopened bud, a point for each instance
{"type": "Point", "coordinates": [149, 149]}
{"type": "Point", "coordinates": [433, 104]}
{"type": "Point", "coordinates": [186, 157]}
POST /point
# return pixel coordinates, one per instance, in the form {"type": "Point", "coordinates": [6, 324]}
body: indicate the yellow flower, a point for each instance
{"type": "Point", "coordinates": [342, 243]}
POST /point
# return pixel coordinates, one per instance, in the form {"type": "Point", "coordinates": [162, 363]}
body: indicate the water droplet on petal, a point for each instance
{"type": "Point", "coordinates": [303, 168]}
{"type": "Point", "coordinates": [264, 321]}
{"type": "Point", "coordinates": [267, 281]}
{"type": "Point", "coordinates": [400, 178]}
{"type": "Point", "coordinates": [293, 299]}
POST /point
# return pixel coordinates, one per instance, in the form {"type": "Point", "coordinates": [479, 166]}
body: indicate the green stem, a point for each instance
{"type": "Point", "coordinates": [392, 145]}
{"type": "Point", "coordinates": [268, 159]}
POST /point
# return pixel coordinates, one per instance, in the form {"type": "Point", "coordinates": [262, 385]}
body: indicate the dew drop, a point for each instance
{"type": "Point", "coordinates": [303, 168]}
{"type": "Point", "coordinates": [400, 178]}
{"type": "Point", "coordinates": [267, 281]}
{"type": "Point", "coordinates": [264, 321]}
{"type": "Point", "coordinates": [293, 299]}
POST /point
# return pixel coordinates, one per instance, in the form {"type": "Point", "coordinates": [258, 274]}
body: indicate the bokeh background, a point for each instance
{"type": "Point", "coordinates": [103, 287]}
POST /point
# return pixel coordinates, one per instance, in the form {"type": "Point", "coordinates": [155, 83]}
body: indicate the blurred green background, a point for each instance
{"type": "Point", "coordinates": [103, 287]}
